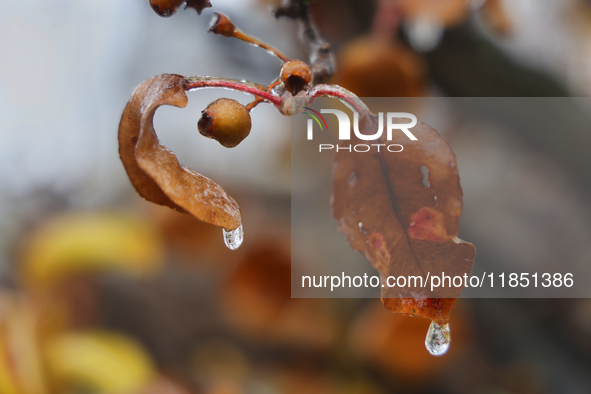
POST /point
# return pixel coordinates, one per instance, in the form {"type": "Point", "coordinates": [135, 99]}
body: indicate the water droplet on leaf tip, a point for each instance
{"type": "Point", "coordinates": [438, 339]}
{"type": "Point", "coordinates": [233, 238]}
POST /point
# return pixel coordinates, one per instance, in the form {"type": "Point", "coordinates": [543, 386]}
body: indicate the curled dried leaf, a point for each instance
{"type": "Point", "coordinates": [155, 171]}
{"type": "Point", "coordinates": [401, 210]}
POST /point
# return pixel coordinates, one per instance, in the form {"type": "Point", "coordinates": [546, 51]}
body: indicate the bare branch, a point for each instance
{"type": "Point", "coordinates": [319, 51]}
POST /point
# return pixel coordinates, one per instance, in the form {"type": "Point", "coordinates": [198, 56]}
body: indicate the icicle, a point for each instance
{"type": "Point", "coordinates": [438, 339]}
{"type": "Point", "coordinates": [233, 238]}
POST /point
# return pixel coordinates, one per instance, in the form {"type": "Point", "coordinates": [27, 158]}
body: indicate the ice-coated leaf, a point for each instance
{"type": "Point", "coordinates": [155, 171]}
{"type": "Point", "coordinates": [401, 211]}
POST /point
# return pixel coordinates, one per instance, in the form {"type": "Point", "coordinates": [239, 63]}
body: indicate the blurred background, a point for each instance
{"type": "Point", "coordinates": [102, 292]}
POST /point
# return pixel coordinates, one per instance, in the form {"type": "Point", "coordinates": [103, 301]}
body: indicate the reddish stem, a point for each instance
{"type": "Point", "coordinates": [194, 83]}
{"type": "Point", "coordinates": [347, 97]}
{"type": "Point", "coordinates": [259, 100]}
{"type": "Point", "coordinates": [264, 92]}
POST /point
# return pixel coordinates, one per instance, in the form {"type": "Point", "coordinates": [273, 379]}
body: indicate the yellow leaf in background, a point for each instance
{"type": "Point", "coordinates": [7, 381]}
{"type": "Point", "coordinates": [91, 242]}
{"type": "Point", "coordinates": [21, 366]}
{"type": "Point", "coordinates": [100, 361]}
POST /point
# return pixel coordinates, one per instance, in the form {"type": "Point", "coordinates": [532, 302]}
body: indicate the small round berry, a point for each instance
{"type": "Point", "coordinates": [295, 75]}
{"type": "Point", "coordinates": [226, 121]}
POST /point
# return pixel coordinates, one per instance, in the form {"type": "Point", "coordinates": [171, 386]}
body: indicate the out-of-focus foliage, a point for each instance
{"type": "Point", "coordinates": [442, 12]}
{"type": "Point", "coordinates": [89, 242]}
{"type": "Point", "coordinates": [100, 362]}
{"type": "Point", "coordinates": [381, 68]}
{"type": "Point", "coordinates": [256, 301]}
{"type": "Point", "coordinates": [21, 360]}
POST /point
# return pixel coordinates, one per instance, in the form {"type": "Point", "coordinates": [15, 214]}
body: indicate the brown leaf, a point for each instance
{"type": "Point", "coordinates": [155, 171]}
{"type": "Point", "coordinates": [405, 223]}
{"type": "Point", "coordinates": [168, 7]}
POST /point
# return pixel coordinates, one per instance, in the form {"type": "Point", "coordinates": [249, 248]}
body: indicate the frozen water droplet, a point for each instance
{"type": "Point", "coordinates": [438, 339]}
{"type": "Point", "coordinates": [233, 238]}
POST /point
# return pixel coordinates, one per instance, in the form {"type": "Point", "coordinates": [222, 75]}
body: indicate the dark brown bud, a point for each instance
{"type": "Point", "coordinates": [221, 24]}
{"type": "Point", "coordinates": [295, 75]}
{"type": "Point", "coordinates": [168, 7]}
{"type": "Point", "coordinates": [165, 7]}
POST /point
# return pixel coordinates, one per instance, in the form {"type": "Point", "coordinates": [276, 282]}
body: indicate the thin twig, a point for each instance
{"type": "Point", "coordinates": [194, 83]}
{"type": "Point", "coordinates": [319, 51]}
{"type": "Point", "coordinates": [283, 101]}
{"type": "Point", "coordinates": [221, 24]}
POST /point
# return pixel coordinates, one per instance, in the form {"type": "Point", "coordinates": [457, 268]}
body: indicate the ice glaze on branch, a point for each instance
{"type": "Point", "coordinates": [194, 83]}
{"type": "Point", "coordinates": [281, 101]}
